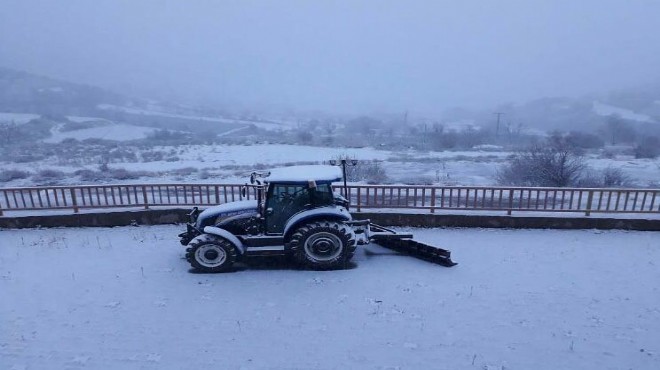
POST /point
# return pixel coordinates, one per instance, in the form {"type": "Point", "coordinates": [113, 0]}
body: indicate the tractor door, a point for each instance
{"type": "Point", "coordinates": [282, 202]}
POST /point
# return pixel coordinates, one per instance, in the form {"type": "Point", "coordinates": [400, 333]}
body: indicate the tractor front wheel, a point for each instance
{"type": "Point", "coordinates": [209, 253]}
{"type": "Point", "coordinates": [323, 245]}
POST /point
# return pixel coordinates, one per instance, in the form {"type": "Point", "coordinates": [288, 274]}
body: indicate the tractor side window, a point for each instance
{"type": "Point", "coordinates": [289, 198]}
{"type": "Point", "coordinates": [322, 195]}
{"type": "Point", "coordinates": [288, 195]}
{"type": "Point", "coordinates": [285, 201]}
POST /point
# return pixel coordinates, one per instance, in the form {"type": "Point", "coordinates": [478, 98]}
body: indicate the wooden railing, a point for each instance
{"type": "Point", "coordinates": [362, 197]}
{"type": "Point", "coordinates": [509, 199]}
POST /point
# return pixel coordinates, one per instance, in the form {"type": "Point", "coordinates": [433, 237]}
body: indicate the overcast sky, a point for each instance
{"type": "Point", "coordinates": [341, 56]}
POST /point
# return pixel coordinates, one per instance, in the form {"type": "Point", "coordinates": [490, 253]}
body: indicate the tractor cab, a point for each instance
{"type": "Point", "coordinates": [291, 191]}
{"type": "Point", "coordinates": [283, 200]}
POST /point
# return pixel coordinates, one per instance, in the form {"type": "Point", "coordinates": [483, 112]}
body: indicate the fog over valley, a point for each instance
{"type": "Point", "coordinates": [423, 92]}
{"type": "Point", "coordinates": [340, 57]}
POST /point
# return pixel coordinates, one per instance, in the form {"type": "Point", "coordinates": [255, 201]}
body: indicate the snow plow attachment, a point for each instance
{"type": "Point", "coordinates": [403, 243]}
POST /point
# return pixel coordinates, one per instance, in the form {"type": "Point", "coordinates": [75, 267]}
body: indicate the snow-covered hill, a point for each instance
{"type": "Point", "coordinates": [603, 109]}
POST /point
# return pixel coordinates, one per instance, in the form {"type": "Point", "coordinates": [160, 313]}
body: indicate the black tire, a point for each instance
{"type": "Point", "coordinates": [323, 245]}
{"type": "Point", "coordinates": [210, 253]}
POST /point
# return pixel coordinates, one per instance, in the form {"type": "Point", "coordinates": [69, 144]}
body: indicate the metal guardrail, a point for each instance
{"type": "Point", "coordinates": [362, 197]}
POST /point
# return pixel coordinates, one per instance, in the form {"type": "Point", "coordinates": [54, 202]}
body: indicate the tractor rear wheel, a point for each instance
{"type": "Point", "coordinates": [210, 253]}
{"type": "Point", "coordinates": [323, 245]}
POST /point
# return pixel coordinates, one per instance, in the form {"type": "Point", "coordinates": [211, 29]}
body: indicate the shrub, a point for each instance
{"type": "Point", "coordinates": [152, 156]}
{"type": "Point", "coordinates": [186, 171]}
{"type": "Point", "coordinates": [615, 177]}
{"type": "Point", "coordinates": [584, 140]}
{"type": "Point", "coordinates": [609, 177]}
{"type": "Point", "coordinates": [91, 175]}
{"type": "Point", "coordinates": [124, 174]}
{"type": "Point", "coordinates": [372, 172]}
{"type": "Point", "coordinates": [648, 148]}
{"type": "Point", "coordinates": [9, 175]}
{"type": "Point", "coordinates": [304, 137]}
{"type": "Point", "coordinates": [556, 164]}
{"type": "Point", "coordinates": [48, 176]}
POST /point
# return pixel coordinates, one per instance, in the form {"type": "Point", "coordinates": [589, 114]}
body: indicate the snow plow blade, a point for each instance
{"type": "Point", "coordinates": [404, 244]}
{"type": "Point", "coordinates": [418, 250]}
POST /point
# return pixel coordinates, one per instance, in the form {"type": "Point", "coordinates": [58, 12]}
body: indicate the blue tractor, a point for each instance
{"type": "Point", "coordinates": [297, 214]}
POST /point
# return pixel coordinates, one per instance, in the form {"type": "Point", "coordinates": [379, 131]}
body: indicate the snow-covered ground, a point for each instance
{"type": "Point", "coordinates": [80, 119]}
{"type": "Point", "coordinates": [123, 298]}
{"type": "Point", "coordinates": [17, 118]}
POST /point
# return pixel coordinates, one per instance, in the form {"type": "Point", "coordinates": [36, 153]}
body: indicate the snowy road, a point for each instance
{"type": "Point", "coordinates": [123, 298]}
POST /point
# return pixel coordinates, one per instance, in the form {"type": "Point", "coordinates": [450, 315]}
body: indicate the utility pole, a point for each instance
{"type": "Point", "coordinates": [497, 130]}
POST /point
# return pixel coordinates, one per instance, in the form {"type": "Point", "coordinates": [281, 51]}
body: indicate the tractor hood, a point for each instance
{"type": "Point", "coordinates": [226, 210]}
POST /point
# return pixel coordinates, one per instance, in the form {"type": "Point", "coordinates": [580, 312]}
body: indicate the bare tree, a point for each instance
{"type": "Point", "coordinates": [616, 130]}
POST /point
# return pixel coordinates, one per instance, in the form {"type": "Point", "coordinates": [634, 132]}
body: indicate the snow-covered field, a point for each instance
{"type": "Point", "coordinates": [271, 125]}
{"type": "Point", "coordinates": [476, 168]}
{"type": "Point", "coordinates": [123, 298]}
{"type": "Point", "coordinates": [118, 132]}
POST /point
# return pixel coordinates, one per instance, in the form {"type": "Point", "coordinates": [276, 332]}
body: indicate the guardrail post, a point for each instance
{"type": "Point", "coordinates": [432, 200]}
{"type": "Point", "coordinates": [508, 212]}
{"type": "Point", "coordinates": [74, 201]}
{"type": "Point", "coordinates": [359, 199]}
{"type": "Point", "coordinates": [144, 197]}
{"type": "Point", "coordinates": [590, 199]}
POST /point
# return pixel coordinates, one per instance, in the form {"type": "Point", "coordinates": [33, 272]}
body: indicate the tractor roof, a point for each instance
{"type": "Point", "coordinates": [299, 174]}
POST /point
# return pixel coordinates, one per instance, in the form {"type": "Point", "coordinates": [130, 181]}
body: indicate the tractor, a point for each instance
{"type": "Point", "coordinates": [296, 214]}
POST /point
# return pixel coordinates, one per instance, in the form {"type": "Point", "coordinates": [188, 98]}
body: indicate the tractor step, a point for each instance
{"type": "Point", "coordinates": [418, 250]}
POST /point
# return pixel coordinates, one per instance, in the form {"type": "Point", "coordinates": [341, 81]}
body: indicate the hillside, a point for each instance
{"type": "Point", "coordinates": [22, 92]}
{"type": "Point", "coordinates": [25, 97]}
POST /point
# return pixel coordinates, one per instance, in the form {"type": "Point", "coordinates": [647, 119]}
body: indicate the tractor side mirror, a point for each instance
{"type": "Point", "coordinates": [244, 191]}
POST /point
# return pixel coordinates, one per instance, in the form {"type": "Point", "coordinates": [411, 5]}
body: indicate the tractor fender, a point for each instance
{"type": "Point", "coordinates": [227, 235]}
{"type": "Point", "coordinates": [333, 213]}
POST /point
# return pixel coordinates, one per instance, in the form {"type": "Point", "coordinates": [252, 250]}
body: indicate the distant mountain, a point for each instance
{"type": "Point", "coordinates": [28, 94]}
{"type": "Point", "coordinates": [638, 107]}
{"type": "Point", "coordinates": [25, 97]}
{"type": "Point", "coordinates": [554, 114]}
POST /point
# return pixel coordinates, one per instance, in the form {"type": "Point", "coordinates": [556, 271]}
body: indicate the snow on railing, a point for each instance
{"type": "Point", "coordinates": [362, 197]}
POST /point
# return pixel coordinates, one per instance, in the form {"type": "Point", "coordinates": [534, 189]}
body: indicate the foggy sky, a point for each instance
{"type": "Point", "coordinates": [338, 56]}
